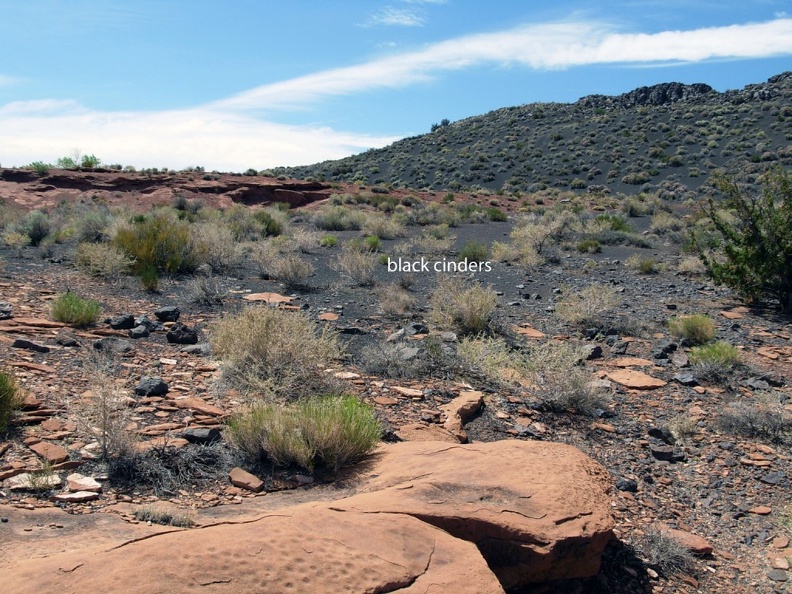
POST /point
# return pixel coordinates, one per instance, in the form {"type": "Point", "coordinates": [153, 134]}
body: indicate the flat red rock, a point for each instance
{"type": "Point", "coordinates": [635, 379]}
{"type": "Point", "coordinates": [271, 298]}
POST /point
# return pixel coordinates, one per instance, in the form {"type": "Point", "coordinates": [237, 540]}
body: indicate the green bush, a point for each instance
{"type": "Point", "coordinates": [698, 328]}
{"type": "Point", "coordinates": [328, 241]}
{"type": "Point", "coordinates": [756, 242]}
{"type": "Point", "coordinates": [330, 429]}
{"type": "Point", "coordinates": [36, 225]}
{"type": "Point", "coordinates": [10, 398]}
{"type": "Point", "coordinates": [474, 251]}
{"type": "Point", "coordinates": [718, 353]}
{"type": "Point", "coordinates": [496, 214]}
{"type": "Point", "coordinates": [372, 243]}
{"type": "Point", "coordinates": [40, 167]}
{"type": "Point", "coordinates": [101, 259]}
{"type": "Point", "coordinates": [70, 308]}
{"type": "Point", "coordinates": [589, 246]}
{"type": "Point", "coordinates": [157, 241]}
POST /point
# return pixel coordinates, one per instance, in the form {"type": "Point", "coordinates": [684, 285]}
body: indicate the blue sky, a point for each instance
{"type": "Point", "coordinates": [242, 84]}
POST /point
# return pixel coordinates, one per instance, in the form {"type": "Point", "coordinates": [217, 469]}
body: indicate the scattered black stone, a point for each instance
{"type": "Point", "coordinates": [592, 351]}
{"type": "Point", "coordinates": [151, 386]}
{"type": "Point", "coordinates": [663, 434]}
{"type": "Point", "coordinates": [686, 379]}
{"type": "Point", "coordinates": [113, 344]}
{"type": "Point", "coordinates": [148, 323]}
{"type": "Point", "coordinates": [416, 328]}
{"type": "Point", "coordinates": [663, 349]}
{"type": "Point", "coordinates": [23, 343]}
{"type": "Point", "coordinates": [662, 452]}
{"type": "Point", "coordinates": [619, 348]}
{"type": "Point", "coordinates": [777, 575]}
{"type": "Point", "coordinates": [123, 322]}
{"type": "Point", "coordinates": [627, 485]}
{"type": "Point", "coordinates": [139, 332]}
{"type": "Point", "coordinates": [181, 334]}
{"type": "Point", "coordinates": [202, 435]}
{"type": "Point", "coordinates": [169, 313]}
{"type": "Point", "coordinates": [351, 330]}
{"type": "Point", "coordinates": [66, 338]}
{"type": "Point", "coordinates": [5, 310]}
{"type": "Point", "coordinates": [774, 478]}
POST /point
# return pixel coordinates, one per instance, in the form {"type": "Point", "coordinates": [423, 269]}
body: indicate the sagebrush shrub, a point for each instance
{"type": "Point", "coordinates": [465, 308]}
{"type": "Point", "coordinates": [158, 240]}
{"type": "Point", "coordinates": [273, 351]}
{"type": "Point", "coordinates": [102, 259]}
{"type": "Point", "coordinates": [587, 306]}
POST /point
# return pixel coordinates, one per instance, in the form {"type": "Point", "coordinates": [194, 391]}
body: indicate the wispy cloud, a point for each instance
{"type": "Point", "coordinates": [7, 80]}
{"type": "Point", "coordinates": [46, 130]}
{"type": "Point", "coordinates": [548, 46]}
{"type": "Point", "coordinates": [401, 17]}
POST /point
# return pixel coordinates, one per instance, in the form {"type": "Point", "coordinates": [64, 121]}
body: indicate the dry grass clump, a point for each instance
{"type": "Point", "coordinates": [214, 244]}
{"type": "Point", "coordinates": [698, 328]}
{"type": "Point", "coordinates": [587, 306]}
{"type": "Point", "coordinates": [291, 270]}
{"type": "Point", "coordinates": [338, 218]}
{"type": "Point", "coordinates": [492, 360]}
{"type": "Point", "coordinates": [331, 429]}
{"type": "Point", "coordinates": [465, 308]}
{"type": "Point", "coordinates": [167, 517]}
{"type": "Point", "coordinates": [764, 417]}
{"type": "Point", "coordinates": [272, 351]}
{"type": "Point", "coordinates": [102, 260]}
{"type": "Point", "coordinates": [662, 552]}
{"type": "Point", "coordinates": [560, 380]}
{"type": "Point", "coordinates": [666, 223]}
{"type": "Point", "coordinates": [642, 264]}
{"type": "Point", "coordinates": [382, 226]}
{"type": "Point", "coordinates": [395, 301]}
{"type": "Point", "coordinates": [105, 412]}
{"type": "Point", "coordinates": [690, 266]}
{"type": "Point", "coordinates": [355, 265]}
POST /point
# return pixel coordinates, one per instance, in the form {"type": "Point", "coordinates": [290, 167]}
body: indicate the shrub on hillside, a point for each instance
{"type": "Point", "coordinates": [698, 328]}
{"type": "Point", "coordinates": [158, 240]}
{"type": "Point", "coordinates": [104, 260]}
{"type": "Point", "coordinates": [586, 307]}
{"type": "Point", "coordinates": [755, 243]}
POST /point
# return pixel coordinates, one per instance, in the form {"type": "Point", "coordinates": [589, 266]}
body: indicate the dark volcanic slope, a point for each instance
{"type": "Point", "coordinates": [666, 137]}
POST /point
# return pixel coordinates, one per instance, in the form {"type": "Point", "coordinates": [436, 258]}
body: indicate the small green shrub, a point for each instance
{"type": "Point", "coordinates": [589, 246]}
{"type": "Point", "coordinates": [719, 353]}
{"type": "Point", "coordinates": [698, 328]}
{"type": "Point", "coordinates": [158, 240]}
{"type": "Point", "coordinates": [328, 241]}
{"type": "Point", "coordinates": [69, 308]}
{"type": "Point", "coordinates": [149, 278]}
{"type": "Point", "coordinates": [372, 243]}
{"type": "Point", "coordinates": [495, 214]}
{"type": "Point", "coordinates": [36, 225]}
{"type": "Point", "coordinates": [474, 251]}
{"type": "Point", "coordinates": [329, 429]}
{"type": "Point", "coordinates": [10, 397]}
{"type": "Point", "coordinates": [40, 167]}
{"type": "Point", "coordinates": [642, 264]}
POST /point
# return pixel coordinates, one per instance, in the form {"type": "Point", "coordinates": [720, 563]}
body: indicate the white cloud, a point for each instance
{"type": "Point", "coordinates": [46, 130]}
{"type": "Point", "coordinates": [400, 17]}
{"type": "Point", "coordinates": [7, 80]}
{"type": "Point", "coordinates": [541, 47]}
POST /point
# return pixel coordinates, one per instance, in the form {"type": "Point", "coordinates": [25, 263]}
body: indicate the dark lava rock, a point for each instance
{"type": "Point", "coordinates": [148, 323]}
{"type": "Point", "coordinates": [416, 328]}
{"type": "Point", "coordinates": [151, 386]}
{"type": "Point", "coordinates": [774, 478]}
{"type": "Point", "coordinates": [663, 349]}
{"type": "Point", "coordinates": [664, 452]}
{"type": "Point", "coordinates": [5, 310]}
{"type": "Point", "coordinates": [619, 347]}
{"type": "Point", "coordinates": [592, 351]}
{"type": "Point", "coordinates": [24, 343]}
{"type": "Point", "coordinates": [627, 485]}
{"type": "Point", "coordinates": [663, 434]}
{"type": "Point", "coordinates": [201, 435]}
{"type": "Point", "coordinates": [66, 338]}
{"type": "Point", "coordinates": [122, 322]}
{"type": "Point", "coordinates": [112, 344]}
{"type": "Point", "coordinates": [686, 379]}
{"type": "Point", "coordinates": [351, 330]}
{"type": "Point", "coordinates": [169, 313]}
{"type": "Point", "coordinates": [777, 575]}
{"type": "Point", "coordinates": [139, 332]}
{"type": "Point", "coordinates": [181, 334]}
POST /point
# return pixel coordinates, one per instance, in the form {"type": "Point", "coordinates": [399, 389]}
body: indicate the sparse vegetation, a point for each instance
{"type": "Point", "coordinates": [331, 429]}
{"type": "Point", "coordinates": [271, 351]}
{"type": "Point", "coordinates": [587, 307]}
{"type": "Point", "coordinates": [104, 260]}
{"type": "Point", "coordinates": [10, 397]}
{"type": "Point", "coordinates": [698, 328]}
{"type": "Point", "coordinates": [167, 517]}
{"type": "Point", "coordinates": [72, 309]}
{"type": "Point", "coordinates": [763, 417]}
{"type": "Point", "coordinates": [467, 309]}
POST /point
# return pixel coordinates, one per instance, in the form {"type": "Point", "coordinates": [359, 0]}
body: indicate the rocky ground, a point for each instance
{"type": "Point", "coordinates": [726, 494]}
